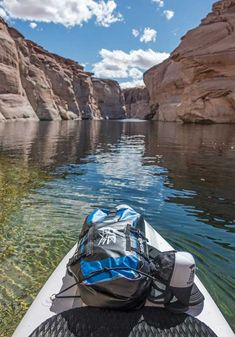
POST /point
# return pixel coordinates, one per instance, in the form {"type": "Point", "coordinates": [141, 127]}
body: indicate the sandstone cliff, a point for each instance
{"type": "Point", "coordinates": [197, 83]}
{"type": "Point", "coordinates": [137, 103]}
{"type": "Point", "coordinates": [39, 85]}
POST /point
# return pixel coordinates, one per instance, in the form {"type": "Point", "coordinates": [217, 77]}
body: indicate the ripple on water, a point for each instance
{"type": "Point", "coordinates": [183, 185]}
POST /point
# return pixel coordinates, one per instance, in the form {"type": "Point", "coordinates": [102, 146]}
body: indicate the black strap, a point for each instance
{"type": "Point", "coordinates": [90, 241]}
{"type": "Point", "coordinates": [139, 233]}
{"type": "Point", "coordinates": [128, 237]}
{"type": "Point", "coordinates": [104, 270]}
{"type": "Point", "coordinates": [140, 253]}
{"type": "Point", "coordinates": [54, 296]}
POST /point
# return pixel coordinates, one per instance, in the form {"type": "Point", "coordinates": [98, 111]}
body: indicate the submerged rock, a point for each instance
{"type": "Point", "coordinates": [197, 83]}
{"type": "Point", "coordinates": [39, 85]}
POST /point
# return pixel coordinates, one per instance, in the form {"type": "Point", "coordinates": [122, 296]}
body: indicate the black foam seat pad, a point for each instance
{"type": "Point", "coordinates": [147, 322]}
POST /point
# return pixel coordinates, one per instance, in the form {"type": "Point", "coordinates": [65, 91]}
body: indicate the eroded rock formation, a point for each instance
{"type": "Point", "coordinates": [197, 83]}
{"type": "Point", "coordinates": [39, 85]}
{"type": "Point", "coordinates": [137, 103]}
{"type": "Point", "coordinates": [109, 98]}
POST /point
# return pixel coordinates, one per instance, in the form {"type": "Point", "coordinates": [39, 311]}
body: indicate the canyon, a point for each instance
{"type": "Point", "coordinates": [196, 84]}
{"type": "Point", "coordinates": [137, 103]}
{"type": "Point", "coordinates": [38, 85]}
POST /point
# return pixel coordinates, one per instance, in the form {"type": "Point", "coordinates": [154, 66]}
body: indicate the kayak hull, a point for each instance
{"type": "Point", "coordinates": [43, 307]}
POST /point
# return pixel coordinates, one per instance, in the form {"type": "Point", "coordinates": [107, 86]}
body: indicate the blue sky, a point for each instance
{"type": "Point", "coordinates": [117, 39]}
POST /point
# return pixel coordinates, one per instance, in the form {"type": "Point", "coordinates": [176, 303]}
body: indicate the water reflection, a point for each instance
{"type": "Point", "coordinates": [201, 160]}
{"type": "Point", "coordinates": [181, 177]}
{"type": "Point", "coordinates": [198, 159]}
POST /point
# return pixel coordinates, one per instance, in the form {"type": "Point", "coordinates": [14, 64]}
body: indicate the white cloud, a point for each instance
{"type": "Point", "coordinates": [130, 66]}
{"type": "Point", "coordinates": [169, 14]}
{"type": "Point", "coordinates": [66, 12]}
{"type": "Point", "coordinates": [148, 35]}
{"type": "Point", "coordinates": [104, 12]}
{"type": "Point", "coordinates": [132, 84]}
{"type": "Point", "coordinates": [118, 61]}
{"type": "Point", "coordinates": [33, 25]}
{"type": "Point", "coordinates": [160, 3]}
{"type": "Point", "coordinates": [85, 64]}
{"type": "Point", "coordinates": [135, 73]}
{"type": "Point", "coordinates": [3, 14]}
{"type": "Point", "coordinates": [135, 32]}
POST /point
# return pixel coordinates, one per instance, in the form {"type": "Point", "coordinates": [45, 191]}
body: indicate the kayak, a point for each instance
{"type": "Point", "coordinates": [46, 307]}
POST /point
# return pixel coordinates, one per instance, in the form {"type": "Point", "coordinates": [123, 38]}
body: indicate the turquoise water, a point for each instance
{"type": "Point", "coordinates": [181, 177]}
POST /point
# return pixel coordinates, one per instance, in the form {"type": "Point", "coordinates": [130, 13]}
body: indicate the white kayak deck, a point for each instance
{"type": "Point", "coordinates": [43, 308]}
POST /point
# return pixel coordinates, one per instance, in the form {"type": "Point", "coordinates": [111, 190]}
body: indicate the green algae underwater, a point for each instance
{"type": "Point", "coordinates": [31, 246]}
{"type": "Point", "coordinates": [17, 180]}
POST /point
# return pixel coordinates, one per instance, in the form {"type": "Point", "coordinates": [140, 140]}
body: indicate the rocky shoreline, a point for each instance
{"type": "Point", "coordinates": [196, 84]}
{"type": "Point", "coordinates": [38, 85]}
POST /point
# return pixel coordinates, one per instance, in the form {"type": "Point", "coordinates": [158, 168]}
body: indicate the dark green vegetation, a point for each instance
{"type": "Point", "coordinates": [181, 177]}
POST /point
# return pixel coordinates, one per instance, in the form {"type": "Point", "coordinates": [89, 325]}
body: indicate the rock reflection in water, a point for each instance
{"type": "Point", "coordinates": [181, 177]}
{"type": "Point", "coordinates": [198, 158]}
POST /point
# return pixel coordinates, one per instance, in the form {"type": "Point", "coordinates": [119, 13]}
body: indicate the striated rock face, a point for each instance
{"type": "Point", "coordinates": [38, 85]}
{"type": "Point", "coordinates": [109, 98]}
{"type": "Point", "coordinates": [137, 103]}
{"type": "Point", "coordinates": [197, 83]}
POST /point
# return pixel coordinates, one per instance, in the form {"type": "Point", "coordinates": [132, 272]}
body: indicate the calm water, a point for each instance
{"type": "Point", "coordinates": [181, 177]}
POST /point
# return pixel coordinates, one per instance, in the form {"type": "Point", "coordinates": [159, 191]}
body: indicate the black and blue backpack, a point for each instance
{"type": "Point", "coordinates": [111, 263]}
